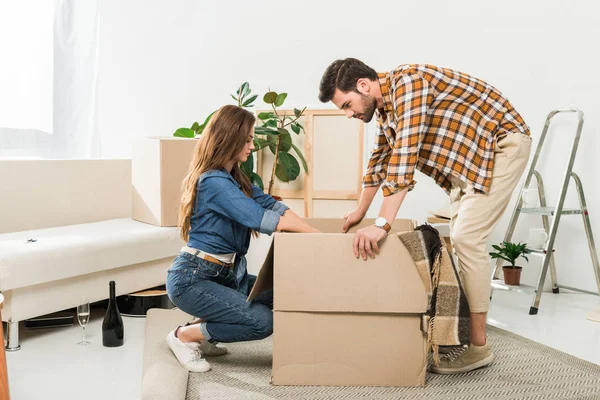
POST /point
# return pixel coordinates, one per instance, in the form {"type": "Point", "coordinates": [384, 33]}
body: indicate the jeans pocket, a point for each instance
{"type": "Point", "coordinates": [209, 270]}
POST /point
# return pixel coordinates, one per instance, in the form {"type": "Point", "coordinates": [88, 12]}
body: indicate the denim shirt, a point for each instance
{"type": "Point", "coordinates": [223, 217]}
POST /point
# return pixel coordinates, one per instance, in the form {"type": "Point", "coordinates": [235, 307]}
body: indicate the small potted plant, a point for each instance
{"type": "Point", "coordinates": [511, 252]}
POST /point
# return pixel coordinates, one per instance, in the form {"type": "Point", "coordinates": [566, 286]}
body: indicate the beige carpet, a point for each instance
{"type": "Point", "coordinates": [523, 370]}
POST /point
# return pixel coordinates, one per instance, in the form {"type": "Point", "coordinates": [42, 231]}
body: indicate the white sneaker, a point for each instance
{"type": "Point", "coordinates": [188, 354]}
{"type": "Point", "coordinates": [211, 349]}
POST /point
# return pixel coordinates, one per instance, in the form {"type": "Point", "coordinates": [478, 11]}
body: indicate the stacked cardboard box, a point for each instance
{"type": "Point", "coordinates": [158, 167]}
{"type": "Point", "coordinates": [339, 320]}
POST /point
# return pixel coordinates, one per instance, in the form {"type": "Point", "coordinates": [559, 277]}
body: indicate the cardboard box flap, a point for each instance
{"type": "Point", "coordinates": [318, 272]}
{"type": "Point", "coordinates": [264, 279]}
{"type": "Point", "coordinates": [335, 225]}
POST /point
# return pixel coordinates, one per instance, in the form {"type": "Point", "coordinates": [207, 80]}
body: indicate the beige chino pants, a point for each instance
{"type": "Point", "coordinates": [474, 215]}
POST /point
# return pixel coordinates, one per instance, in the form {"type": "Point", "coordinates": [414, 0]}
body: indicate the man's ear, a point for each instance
{"type": "Point", "coordinates": [362, 85]}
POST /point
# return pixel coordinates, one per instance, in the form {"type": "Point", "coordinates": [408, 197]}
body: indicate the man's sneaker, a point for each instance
{"type": "Point", "coordinates": [448, 349]}
{"type": "Point", "coordinates": [211, 349]}
{"type": "Point", "coordinates": [188, 354]}
{"type": "Point", "coordinates": [464, 359]}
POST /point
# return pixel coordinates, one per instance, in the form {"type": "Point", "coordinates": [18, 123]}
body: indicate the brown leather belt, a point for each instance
{"type": "Point", "coordinates": [207, 257]}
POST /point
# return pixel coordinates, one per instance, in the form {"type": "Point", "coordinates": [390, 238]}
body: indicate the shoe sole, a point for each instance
{"type": "Point", "coordinates": [468, 368]}
{"type": "Point", "coordinates": [170, 344]}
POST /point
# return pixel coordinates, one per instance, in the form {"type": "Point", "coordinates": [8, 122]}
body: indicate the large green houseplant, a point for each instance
{"type": "Point", "coordinates": [272, 133]}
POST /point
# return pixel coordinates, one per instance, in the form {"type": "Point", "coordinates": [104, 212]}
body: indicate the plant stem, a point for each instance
{"type": "Point", "coordinates": [297, 118]}
{"type": "Point", "coordinates": [270, 191]}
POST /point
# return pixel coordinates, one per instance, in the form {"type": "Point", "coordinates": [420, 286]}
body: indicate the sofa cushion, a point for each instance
{"type": "Point", "coordinates": [44, 255]}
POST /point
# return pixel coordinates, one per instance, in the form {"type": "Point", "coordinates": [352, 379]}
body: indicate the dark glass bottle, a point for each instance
{"type": "Point", "coordinates": [112, 326]}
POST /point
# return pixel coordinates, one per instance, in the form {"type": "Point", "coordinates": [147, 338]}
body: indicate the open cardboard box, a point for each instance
{"type": "Point", "coordinates": [343, 321]}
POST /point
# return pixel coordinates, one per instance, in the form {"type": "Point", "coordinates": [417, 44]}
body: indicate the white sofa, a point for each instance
{"type": "Point", "coordinates": [66, 231]}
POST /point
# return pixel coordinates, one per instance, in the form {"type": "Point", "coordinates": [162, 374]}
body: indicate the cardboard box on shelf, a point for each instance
{"type": "Point", "coordinates": [343, 321]}
{"type": "Point", "coordinates": [158, 167]}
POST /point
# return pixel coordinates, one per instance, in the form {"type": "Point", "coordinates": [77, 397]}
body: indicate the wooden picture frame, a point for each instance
{"type": "Point", "coordinates": [335, 165]}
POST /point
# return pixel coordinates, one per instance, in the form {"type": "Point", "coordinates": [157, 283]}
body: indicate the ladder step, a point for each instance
{"type": "Point", "coordinates": [538, 252]}
{"type": "Point", "coordinates": [550, 211]}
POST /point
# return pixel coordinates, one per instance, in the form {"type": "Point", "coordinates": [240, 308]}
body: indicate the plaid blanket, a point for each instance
{"type": "Point", "coordinates": [448, 309]}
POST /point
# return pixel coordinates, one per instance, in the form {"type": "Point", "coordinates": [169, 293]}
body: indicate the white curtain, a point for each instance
{"type": "Point", "coordinates": [48, 79]}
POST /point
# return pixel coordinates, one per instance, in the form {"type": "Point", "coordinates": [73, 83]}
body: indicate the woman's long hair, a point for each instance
{"type": "Point", "coordinates": [223, 138]}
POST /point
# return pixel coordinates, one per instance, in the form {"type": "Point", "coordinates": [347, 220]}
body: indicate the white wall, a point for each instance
{"type": "Point", "coordinates": [166, 64]}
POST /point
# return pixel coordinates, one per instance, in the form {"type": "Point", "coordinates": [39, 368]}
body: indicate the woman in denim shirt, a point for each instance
{"type": "Point", "coordinates": [220, 209]}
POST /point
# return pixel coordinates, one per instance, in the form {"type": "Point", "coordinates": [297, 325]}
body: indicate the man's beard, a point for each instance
{"type": "Point", "coordinates": [369, 106]}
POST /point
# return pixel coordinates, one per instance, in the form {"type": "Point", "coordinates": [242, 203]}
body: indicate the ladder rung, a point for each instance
{"type": "Point", "coordinates": [538, 252]}
{"type": "Point", "coordinates": [550, 211]}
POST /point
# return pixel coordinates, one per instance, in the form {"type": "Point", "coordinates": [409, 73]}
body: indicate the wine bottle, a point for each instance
{"type": "Point", "coordinates": [112, 326]}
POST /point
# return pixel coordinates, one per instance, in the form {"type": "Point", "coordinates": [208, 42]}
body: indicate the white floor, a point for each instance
{"type": "Point", "coordinates": [51, 366]}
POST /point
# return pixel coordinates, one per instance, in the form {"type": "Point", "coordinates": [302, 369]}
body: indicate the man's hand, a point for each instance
{"type": "Point", "coordinates": [366, 241]}
{"type": "Point", "coordinates": [352, 218]}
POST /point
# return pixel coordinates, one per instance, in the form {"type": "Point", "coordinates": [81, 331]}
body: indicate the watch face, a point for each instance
{"type": "Point", "coordinates": [380, 222]}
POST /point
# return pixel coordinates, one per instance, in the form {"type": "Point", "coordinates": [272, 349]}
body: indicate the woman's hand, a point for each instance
{"type": "Point", "coordinates": [352, 218]}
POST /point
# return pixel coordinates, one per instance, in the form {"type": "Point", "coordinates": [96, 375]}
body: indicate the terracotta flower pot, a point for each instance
{"type": "Point", "coordinates": [512, 275]}
{"type": "Point", "coordinates": [277, 198]}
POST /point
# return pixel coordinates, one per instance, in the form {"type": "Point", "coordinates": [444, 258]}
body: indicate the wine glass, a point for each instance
{"type": "Point", "coordinates": [83, 316]}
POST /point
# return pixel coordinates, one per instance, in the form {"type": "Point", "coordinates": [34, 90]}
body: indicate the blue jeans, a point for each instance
{"type": "Point", "coordinates": [208, 291]}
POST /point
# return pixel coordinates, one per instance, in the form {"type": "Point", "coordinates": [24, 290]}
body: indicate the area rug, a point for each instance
{"type": "Point", "coordinates": [523, 369]}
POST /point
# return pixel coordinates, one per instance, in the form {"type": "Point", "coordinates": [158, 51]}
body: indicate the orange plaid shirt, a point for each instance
{"type": "Point", "coordinates": [441, 122]}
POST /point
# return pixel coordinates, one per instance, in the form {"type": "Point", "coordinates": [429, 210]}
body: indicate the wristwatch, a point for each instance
{"type": "Point", "coordinates": [383, 224]}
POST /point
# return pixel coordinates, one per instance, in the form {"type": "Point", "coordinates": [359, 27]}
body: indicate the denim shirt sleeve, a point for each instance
{"type": "Point", "coordinates": [222, 196]}
{"type": "Point", "coordinates": [268, 202]}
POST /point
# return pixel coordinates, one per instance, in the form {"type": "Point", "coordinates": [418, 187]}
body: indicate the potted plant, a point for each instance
{"type": "Point", "coordinates": [511, 252]}
{"type": "Point", "coordinates": [273, 133]}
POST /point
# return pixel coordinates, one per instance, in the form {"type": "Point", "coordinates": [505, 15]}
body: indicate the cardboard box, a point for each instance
{"type": "Point", "coordinates": [344, 321]}
{"type": "Point", "coordinates": [158, 167]}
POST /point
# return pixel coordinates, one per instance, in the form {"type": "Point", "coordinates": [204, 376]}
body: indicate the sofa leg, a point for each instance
{"type": "Point", "coordinates": [12, 336]}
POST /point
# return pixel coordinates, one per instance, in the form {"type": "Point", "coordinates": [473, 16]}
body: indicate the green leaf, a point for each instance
{"type": "Point", "coordinates": [234, 98]}
{"type": "Point", "coordinates": [304, 165]}
{"type": "Point", "coordinates": [195, 126]}
{"type": "Point", "coordinates": [266, 115]}
{"type": "Point", "coordinates": [285, 142]}
{"type": "Point", "coordinates": [287, 168]}
{"type": "Point", "coordinates": [245, 89]}
{"type": "Point", "coordinates": [295, 128]}
{"type": "Point", "coordinates": [506, 259]}
{"type": "Point", "coordinates": [280, 99]}
{"type": "Point", "coordinates": [247, 166]}
{"type": "Point", "coordinates": [297, 112]}
{"type": "Point", "coordinates": [209, 117]}
{"type": "Point", "coordinates": [260, 144]}
{"type": "Point", "coordinates": [282, 131]}
{"type": "Point", "coordinates": [270, 97]}
{"type": "Point", "coordinates": [257, 180]}
{"type": "Point", "coordinates": [184, 133]}
{"type": "Point", "coordinates": [248, 102]}
{"type": "Point", "coordinates": [263, 130]}
{"type": "Point", "coordinates": [272, 123]}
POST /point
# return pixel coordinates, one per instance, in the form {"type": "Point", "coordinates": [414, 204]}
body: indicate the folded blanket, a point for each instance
{"type": "Point", "coordinates": [448, 308]}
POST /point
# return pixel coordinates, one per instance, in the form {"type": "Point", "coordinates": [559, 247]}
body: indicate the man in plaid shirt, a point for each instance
{"type": "Point", "coordinates": [458, 130]}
